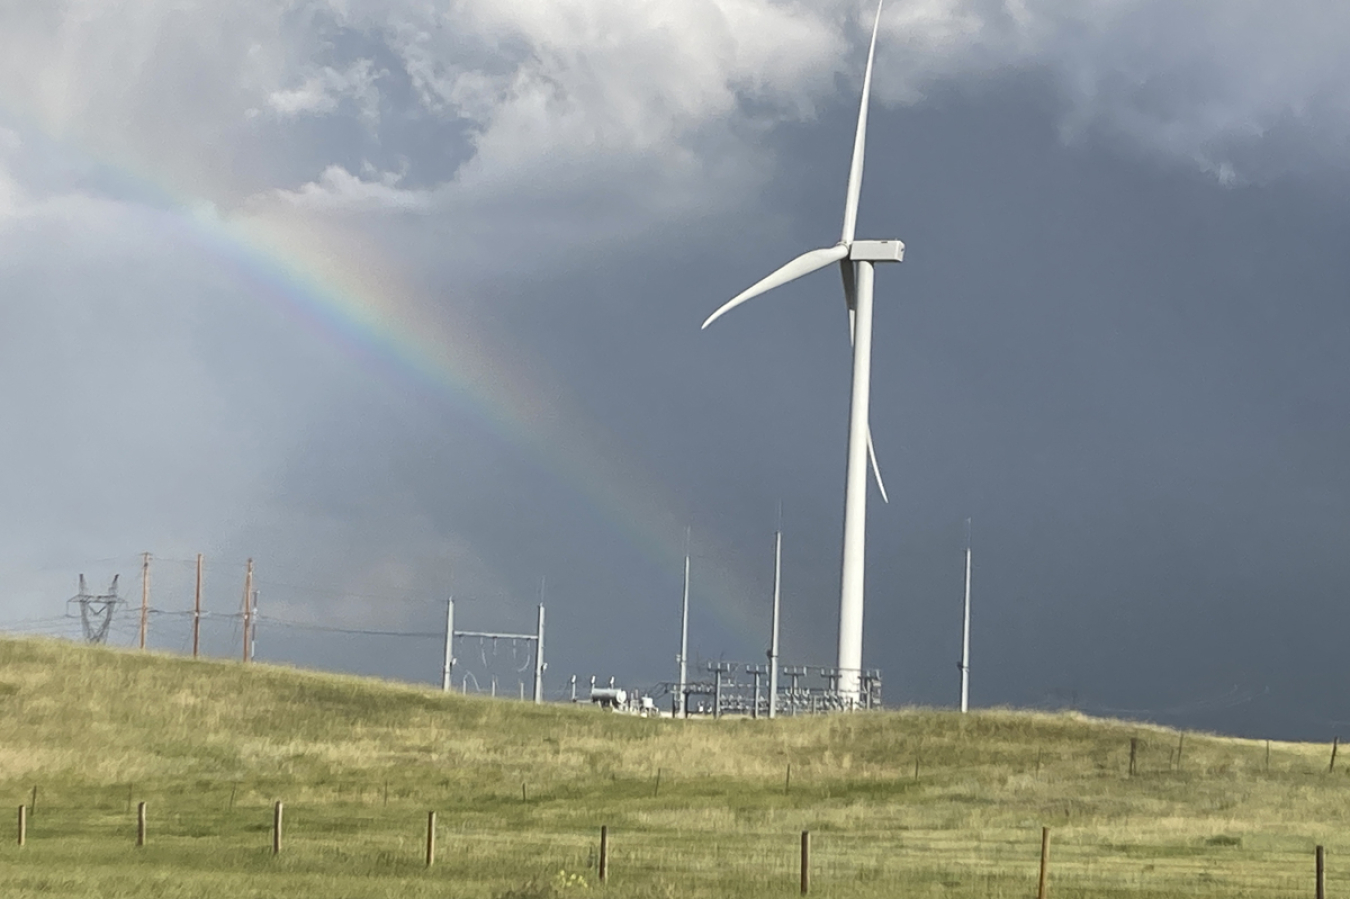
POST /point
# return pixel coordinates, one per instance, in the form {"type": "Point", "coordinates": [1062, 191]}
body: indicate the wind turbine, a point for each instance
{"type": "Point", "coordinates": [856, 259]}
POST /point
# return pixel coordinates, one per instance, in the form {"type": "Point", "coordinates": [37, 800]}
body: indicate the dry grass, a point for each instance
{"type": "Point", "coordinates": [211, 744]}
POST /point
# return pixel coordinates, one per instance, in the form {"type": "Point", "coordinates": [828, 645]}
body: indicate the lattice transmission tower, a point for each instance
{"type": "Point", "coordinates": [96, 611]}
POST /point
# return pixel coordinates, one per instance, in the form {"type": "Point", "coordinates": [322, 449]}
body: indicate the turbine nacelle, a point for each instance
{"type": "Point", "coordinates": [877, 251]}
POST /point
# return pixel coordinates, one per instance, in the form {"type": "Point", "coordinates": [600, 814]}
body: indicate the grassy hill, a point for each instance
{"type": "Point", "coordinates": [912, 803]}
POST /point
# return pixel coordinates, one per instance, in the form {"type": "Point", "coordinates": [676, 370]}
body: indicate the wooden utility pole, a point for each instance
{"type": "Point", "coordinates": [197, 611]}
{"type": "Point", "coordinates": [248, 603]}
{"type": "Point", "coordinates": [145, 594]}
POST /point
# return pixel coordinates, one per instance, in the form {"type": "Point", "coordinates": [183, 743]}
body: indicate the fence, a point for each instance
{"type": "Point", "coordinates": [221, 829]}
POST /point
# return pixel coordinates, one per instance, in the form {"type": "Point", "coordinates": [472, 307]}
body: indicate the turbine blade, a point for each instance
{"type": "Point", "coordinates": [855, 171]}
{"type": "Point", "coordinates": [849, 274]}
{"type": "Point", "coordinates": [804, 264]}
{"type": "Point", "coordinates": [876, 469]}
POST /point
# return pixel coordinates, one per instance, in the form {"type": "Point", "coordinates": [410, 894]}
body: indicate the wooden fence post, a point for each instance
{"type": "Point", "coordinates": [140, 824]}
{"type": "Point", "coordinates": [1321, 873]}
{"type": "Point", "coordinates": [1045, 862]}
{"type": "Point", "coordinates": [23, 823]}
{"type": "Point", "coordinates": [604, 853]}
{"type": "Point", "coordinates": [1334, 744]}
{"type": "Point", "coordinates": [806, 862]}
{"type": "Point", "coordinates": [276, 828]}
{"type": "Point", "coordinates": [1134, 745]}
{"type": "Point", "coordinates": [431, 838]}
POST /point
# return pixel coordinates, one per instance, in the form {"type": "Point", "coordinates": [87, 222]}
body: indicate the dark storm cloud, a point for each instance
{"type": "Point", "coordinates": [1115, 343]}
{"type": "Point", "coordinates": [1126, 376]}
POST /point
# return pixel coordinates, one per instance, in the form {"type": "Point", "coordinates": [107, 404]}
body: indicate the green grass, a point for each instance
{"type": "Point", "coordinates": [209, 745]}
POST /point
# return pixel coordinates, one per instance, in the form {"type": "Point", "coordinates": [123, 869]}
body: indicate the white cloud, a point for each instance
{"type": "Point", "coordinates": [174, 90]}
{"type": "Point", "coordinates": [323, 91]}
{"type": "Point", "coordinates": [1209, 81]}
{"type": "Point", "coordinates": [10, 195]}
{"type": "Point", "coordinates": [339, 189]}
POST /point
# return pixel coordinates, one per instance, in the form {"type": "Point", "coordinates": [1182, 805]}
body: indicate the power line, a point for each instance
{"type": "Point", "coordinates": [324, 591]}
{"type": "Point", "coordinates": [300, 625]}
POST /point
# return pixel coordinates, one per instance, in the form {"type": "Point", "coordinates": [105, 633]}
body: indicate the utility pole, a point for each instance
{"type": "Point", "coordinates": [965, 633]}
{"type": "Point", "coordinates": [449, 663]}
{"type": "Point", "coordinates": [253, 629]}
{"type": "Point", "coordinates": [197, 611]}
{"type": "Point", "coordinates": [755, 671]}
{"type": "Point", "coordinates": [539, 652]}
{"type": "Point", "coordinates": [145, 595]}
{"type": "Point", "coordinates": [684, 633]}
{"type": "Point", "coordinates": [248, 593]}
{"type": "Point", "coordinates": [719, 669]}
{"type": "Point", "coordinates": [773, 640]}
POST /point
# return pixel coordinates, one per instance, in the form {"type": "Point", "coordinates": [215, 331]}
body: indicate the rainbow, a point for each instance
{"type": "Point", "coordinates": [366, 304]}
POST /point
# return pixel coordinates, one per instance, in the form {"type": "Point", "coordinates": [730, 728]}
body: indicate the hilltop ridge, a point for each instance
{"type": "Point", "coordinates": [914, 796]}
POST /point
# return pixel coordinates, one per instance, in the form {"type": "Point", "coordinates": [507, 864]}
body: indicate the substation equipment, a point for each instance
{"type": "Point", "coordinates": [537, 638]}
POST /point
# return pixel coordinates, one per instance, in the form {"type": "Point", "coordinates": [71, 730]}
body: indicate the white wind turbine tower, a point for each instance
{"type": "Point", "coordinates": [856, 259]}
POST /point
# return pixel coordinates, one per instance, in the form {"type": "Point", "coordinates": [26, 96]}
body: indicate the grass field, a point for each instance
{"type": "Point", "coordinates": [697, 809]}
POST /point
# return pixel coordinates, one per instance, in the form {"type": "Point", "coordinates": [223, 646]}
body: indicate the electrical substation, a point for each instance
{"type": "Point", "coordinates": [742, 689]}
{"type": "Point", "coordinates": [722, 688]}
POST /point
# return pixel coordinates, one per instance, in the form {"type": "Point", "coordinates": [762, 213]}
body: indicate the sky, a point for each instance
{"type": "Point", "coordinates": [401, 300]}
